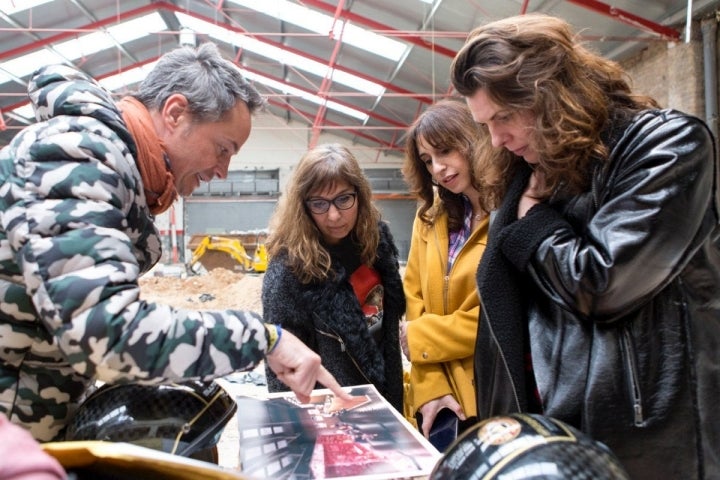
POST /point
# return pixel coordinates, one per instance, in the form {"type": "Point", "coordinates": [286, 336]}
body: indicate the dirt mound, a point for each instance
{"type": "Point", "coordinates": [218, 289]}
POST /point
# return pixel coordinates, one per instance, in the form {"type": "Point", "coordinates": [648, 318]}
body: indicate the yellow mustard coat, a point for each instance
{"type": "Point", "coordinates": [442, 314]}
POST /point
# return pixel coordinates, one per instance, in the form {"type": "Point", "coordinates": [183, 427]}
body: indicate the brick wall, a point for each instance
{"type": "Point", "coordinates": [672, 73]}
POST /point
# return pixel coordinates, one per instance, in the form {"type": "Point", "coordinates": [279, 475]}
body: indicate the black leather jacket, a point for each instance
{"type": "Point", "coordinates": [616, 293]}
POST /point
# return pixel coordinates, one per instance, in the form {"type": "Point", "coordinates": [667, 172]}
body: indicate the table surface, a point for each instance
{"type": "Point", "coordinates": [236, 384]}
{"type": "Point", "coordinates": [246, 383]}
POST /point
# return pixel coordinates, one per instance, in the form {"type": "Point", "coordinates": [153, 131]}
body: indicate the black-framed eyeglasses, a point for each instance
{"type": "Point", "coordinates": [319, 205]}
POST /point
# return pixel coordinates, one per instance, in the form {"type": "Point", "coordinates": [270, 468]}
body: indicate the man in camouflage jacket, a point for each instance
{"type": "Point", "coordinates": [76, 232]}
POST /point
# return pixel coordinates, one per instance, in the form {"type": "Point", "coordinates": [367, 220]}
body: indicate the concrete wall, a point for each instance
{"type": "Point", "coordinates": [280, 146]}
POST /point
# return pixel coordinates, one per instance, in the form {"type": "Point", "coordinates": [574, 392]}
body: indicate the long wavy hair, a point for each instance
{"type": "Point", "coordinates": [534, 63]}
{"type": "Point", "coordinates": [292, 228]}
{"type": "Point", "coordinates": [446, 125]}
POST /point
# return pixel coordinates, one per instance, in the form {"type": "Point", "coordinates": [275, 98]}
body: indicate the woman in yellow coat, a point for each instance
{"type": "Point", "coordinates": [449, 236]}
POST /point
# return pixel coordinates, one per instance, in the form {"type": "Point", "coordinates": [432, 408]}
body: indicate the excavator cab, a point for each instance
{"type": "Point", "coordinates": [260, 259]}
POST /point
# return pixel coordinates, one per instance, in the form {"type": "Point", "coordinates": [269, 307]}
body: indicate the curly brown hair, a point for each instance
{"type": "Point", "coordinates": [292, 229]}
{"type": "Point", "coordinates": [445, 125]}
{"type": "Point", "coordinates": [534, 63]}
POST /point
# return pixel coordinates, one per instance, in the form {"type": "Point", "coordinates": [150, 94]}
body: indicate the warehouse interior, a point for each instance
{"type": "Point", "coordinates": [350, 71]}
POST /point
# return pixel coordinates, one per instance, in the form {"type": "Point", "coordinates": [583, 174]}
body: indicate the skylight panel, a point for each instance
{"type": "Point", "coordinates": [320, 23]}
{"type": "Point", "coordinates": [117, 34]}
{"type": "Point", "coordinates": [112, 83]}
{"type": "Point", "coordinates": [280, 55]}
{"type": "Point", "coordinates": [137, 27]}
{"type": "Point", "coordinates": [201, 26]}
{"type": "Point", "coordinates": [126, 78]}
{"type": "Point", "coordinates": [283, 56]}
{"type": "Point", "coordinates": [369, 41]}
{"type": "Point", "coordinates": [83, 45]}
{"type": "Point", "coordinates": [27, 64]}
{"type": "Point", "coordinates": [11, 7]}
{"type": "Point", "coordinates": [358, 83]}
{"type": "Point", "coordinates": [288, 90]}
{"type": "Point", "coordinates": [26, 112]}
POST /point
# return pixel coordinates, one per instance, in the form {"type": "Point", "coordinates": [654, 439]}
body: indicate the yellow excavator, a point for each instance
{"type": "Point", "coordinates": [215, 251]}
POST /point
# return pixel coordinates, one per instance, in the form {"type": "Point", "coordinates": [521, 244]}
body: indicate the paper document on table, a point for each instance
{"type": "Point", "coordinates": [365, 438]}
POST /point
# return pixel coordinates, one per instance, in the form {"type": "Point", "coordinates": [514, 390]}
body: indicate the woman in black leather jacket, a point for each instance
{"type": "Point", "coordinates": [600, 283]}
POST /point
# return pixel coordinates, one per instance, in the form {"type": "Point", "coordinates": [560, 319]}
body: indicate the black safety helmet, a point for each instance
{"type": "Point", "coordinates": [183, 419]}
{"type": "Point", "coordinates": [527, 446]}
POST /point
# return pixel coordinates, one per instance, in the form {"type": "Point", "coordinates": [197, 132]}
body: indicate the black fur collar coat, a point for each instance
{"type": "Point", "coordinates": [328, 318]}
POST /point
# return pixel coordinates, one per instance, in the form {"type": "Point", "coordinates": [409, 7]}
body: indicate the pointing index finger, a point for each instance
{"type": "Point", "coordinates": [325, 378]}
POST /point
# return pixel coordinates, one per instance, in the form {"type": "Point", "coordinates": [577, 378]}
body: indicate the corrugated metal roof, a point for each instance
{"type": "Point", "coordinates": [430, 32]}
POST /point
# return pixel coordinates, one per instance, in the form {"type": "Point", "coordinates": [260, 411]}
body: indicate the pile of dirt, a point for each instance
{"type": "Point", "coordinates": [217, 289]}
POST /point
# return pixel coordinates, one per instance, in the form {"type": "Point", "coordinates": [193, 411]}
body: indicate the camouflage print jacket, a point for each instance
{"type": "Point", "coordinates": [75, 234]}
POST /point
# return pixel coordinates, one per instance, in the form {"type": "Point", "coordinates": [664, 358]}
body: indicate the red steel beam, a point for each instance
{"type": "Point", "coordinates": [327, 81]}
{"type": "Point", "coordinates": [629, 18]}
{"type": "Point", "coordinates": [373, 25]}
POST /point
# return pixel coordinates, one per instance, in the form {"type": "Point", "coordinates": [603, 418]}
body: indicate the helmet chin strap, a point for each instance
{"type": "Point", "coordinates": [200, 440]}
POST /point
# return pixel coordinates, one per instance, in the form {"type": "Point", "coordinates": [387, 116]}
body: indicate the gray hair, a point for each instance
{"type": "Point", "coordinates": [211, 83]}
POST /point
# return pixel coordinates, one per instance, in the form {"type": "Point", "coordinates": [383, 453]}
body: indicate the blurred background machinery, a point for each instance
{"type": "Point", "coordinates": [229, 251]}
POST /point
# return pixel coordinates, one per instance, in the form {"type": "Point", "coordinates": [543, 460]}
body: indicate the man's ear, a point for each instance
{"type": "Point", "coordinates": [174, 109]}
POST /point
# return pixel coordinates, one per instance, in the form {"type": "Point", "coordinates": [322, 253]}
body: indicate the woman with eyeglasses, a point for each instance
{"type": "Point", "coordinates": [449, 235]}
{"type": "Point", "coordinates": [333, 278]}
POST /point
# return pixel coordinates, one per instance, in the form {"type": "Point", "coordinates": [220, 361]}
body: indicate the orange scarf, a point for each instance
{"type": "Point", "coordinates": [158, 180]}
